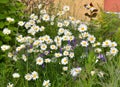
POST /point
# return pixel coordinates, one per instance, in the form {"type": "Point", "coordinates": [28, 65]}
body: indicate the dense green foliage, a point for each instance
{"type": "Point", "coordinates": [13, 9]}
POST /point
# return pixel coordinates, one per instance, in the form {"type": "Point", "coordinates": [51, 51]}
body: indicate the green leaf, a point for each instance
{"type": "Point", "coordinates": [1, 24]}
{"type": "Point", "coordinates": [4, 1]}
{"type": "Point", "coordinates": [2, 16]}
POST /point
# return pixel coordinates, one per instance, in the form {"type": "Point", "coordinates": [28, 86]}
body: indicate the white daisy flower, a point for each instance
{"type": "Point", "coordinates": [84, 43]}
{"type": "Point", "coordinates": [5, 47]}
{"type": "Point", "coordinates": [9, 19]}
{"type": "Point", "coordinates": [75, 71]}
{"type": "Point", "coordinates": [43, 11]}
{"type": "Point", "coordinates": [10, 85]}
{"type": "Point", "coordinates": [46, 17]}
{"type": "Point", "coordinates": [113, 51]}
{"type": "Point", "coordinates": [58, 55]}
{"type": "Point", "coordinates": [6, 31]}
{"type": "Point", "coordinates": [59, 24]}
{"type": "Point", "coordinates": [66, 8]}
{"type": "Point", "coordinates": [46, 83]}
{"type": "Point", "coordinates": [64, 61]}
{"type": "Point", "coordinates": [21, 23]}
{"type": "Point", "coordinates": [60, 13]}
{"type": "Point", "coordinates": [39, 61]}
{"type": "Point", "coordinates": [28, 77]}
{"type": "Point", "coordinates": [106, 43]}
{"type": "Point", "coordinates": [27, 25]}
{"type": "Point", "coordinates": [34, 75]}
{"type": "Point", "coordinates": [85, 34]}
{"type": "Point", "coordinates": [65, 38]}
{"type": "Point", "coordinates": [91, 38]}
{"type": "Point", "coordinates": [16, 75]}
{"type": "Point", "coordinates": [10, 55]}
{"type": "Point", "coordinates": [82, 28]}
{"type": "Point", "coordinates": [36, 28]}
{"type": "Point", "coordinates": [53, 47]}
{"type": "Point", "coordinates": [42, 28]}
{"type": "Point", "coordinates": [43, 46]}
{"type": "Point", "coordinates": [113, 44]}
{"type": "Point", "coordinates": [60, 31]}
{"type": "Point", "coordinates": [71, 38]}
{"type": "Point", "coordinates": [33, 17]}
{"type": "Point", "coordinates": [32, 22]}
{"type": "Point", "coordinates": [24, 58]}
{"type": "Point", "coordinates": [67, 47]}
{"type": "Point", "coordinates": [65, 68]}
{"type": "Point", "coordinates": [92, 72]}
{"type": "Point", "coordinates": [47, 60]}
{"type": "Point", "coordinates": [65, 53]}
{"type": "Point", "coordinates": [71, 55]}
{"type": "Point", "coordinates": [98, 50]}
{"type": "Point", "coordinates": [40, 6]}
{"type": "Point", "coordinates": [66, 23]}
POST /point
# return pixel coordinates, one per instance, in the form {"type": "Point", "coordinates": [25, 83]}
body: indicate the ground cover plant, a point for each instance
{"type": "Point", "coordinates": [55, 52]}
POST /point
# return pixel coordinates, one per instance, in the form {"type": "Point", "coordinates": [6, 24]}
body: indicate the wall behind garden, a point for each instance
{"type": "Point", "coordinates": [77, 6]}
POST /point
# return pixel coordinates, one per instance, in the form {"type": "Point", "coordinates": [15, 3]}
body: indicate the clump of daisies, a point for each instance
{"type": "Point", "coordinates": [40, 48]}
